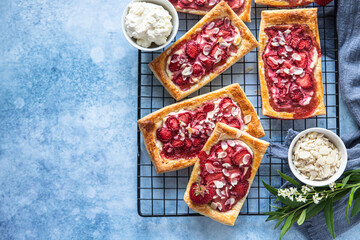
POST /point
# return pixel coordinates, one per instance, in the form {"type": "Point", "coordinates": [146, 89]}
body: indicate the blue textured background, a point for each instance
{"type": "Point", "coordinates": [68, 98]}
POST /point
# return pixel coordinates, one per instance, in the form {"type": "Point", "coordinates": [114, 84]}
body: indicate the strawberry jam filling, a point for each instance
{"type": "Point", "coordinates": [226, 170]}
{"type": "Point", "coordinates": [206, 5]}
{"type": "Point", "coordinates": [207, 49]}
{"type": "Point", "coordinates": [290, 57]}
{"type": "Point", "coordinates": [293, 3]}
{"type": "Point", "coordinates": [184, 134]}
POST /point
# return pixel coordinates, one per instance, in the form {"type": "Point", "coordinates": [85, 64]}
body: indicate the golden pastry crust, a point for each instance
{"type": "Point", "coordinates": [149, 124]}
{"type": "Point", "coordinates": [244, 15]}
{"type": "Point", "coordinates": [248, 43]}
{"type": "Point", "coordinates": [288, 17]}
{"type": "Point", "coordinates": [225, 132]}
{"type": "Point", "coordinates": [282, 3]}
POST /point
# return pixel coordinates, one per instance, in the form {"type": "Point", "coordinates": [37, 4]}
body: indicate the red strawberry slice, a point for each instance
{"type": "Point", "coordinates": [295, 41]}
{"type": "Point", "coordinates": [270, 32]}
{"type": "Point", "coordinates": [245, 173]}
{"type": "Point", "coordinates": [215, 49]}
{"type": "Point", "coordinates": [199, 116]}
{"type": "Point", "coordinates": [179, 80]}
{"type": "Point", "coordinates": [233, 176]}
{"type": "Point", "coordinates": [192, 49]}
{"type": "Point", "coordinates": [164, 134]}
{"type": "Point", "coordinates": [177, 143]}
{"type": "Point", "coordinates": [224, 33]}
{"type": "Point", "coordinates": [222, 120]}
{"type": "Point", "coordinates": [197, 142]}
{"type": "Point", "coordinates": [201, 194]}
{"type": "Point", "coordinates": [304, 44]}
{"type": "Point", "coordinates": [305, 82]}
{"type": "Point", "coordinates": [187, 144]}
{"type": "Point", "coordinates": [240, 189]}
{"type": "Point", "coordinates": [186, 2]}
{"type": "Point", "coordinates": [323, 2]}
{"type": "Point", "coordinates": [303, 62]}
{"type": "Point", "coordinates": [234, 122]}
{"type": "Point", "coordinates": [242, 159]}
{"type": "Point", "coordinates": [174, 67]}
{"type": "Point", "coordinates": [185, 117]}
{"type": "Point", "coordinates": [208, 63]}
{"type": "Point", "coordinates": [208, 107]}
{"type": "Point", "coordinates": [200, 2]}
{"type": "Point", "coordinates": [210, 178]}
{"type": "Point", "coordinates": [296, 95]}
{"type": "Point", "coordinates": [225, 102]}
{"type": "Point", "coordinates": [198, 70]}
{"type": "Point", "coordinates": [203, 156]}
{"type": "Point", "coordinates": [272, 62]}
{"type": "Point", "coordinates": [209, 167]}
{"type": "Point", "coordinates": [172, 123]}
{"type": "Point", "coordinates": [168, 150]}
{"type": "Point", "coordinates": [281, 52]}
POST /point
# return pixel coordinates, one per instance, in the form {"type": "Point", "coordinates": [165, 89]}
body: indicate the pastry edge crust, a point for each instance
{"type": "Point", "coordinates": [148, 124]}
{"type": "Point", "coordinates": [276, 3]}
{"type": "Point", "coordinates": [224, 132]}
{"type": "Point", "coordinates": [287, 17]}
{"type": "Point", "coordinates": [245, 15]}
{"type": "Point", "coordinates": [248, 43]}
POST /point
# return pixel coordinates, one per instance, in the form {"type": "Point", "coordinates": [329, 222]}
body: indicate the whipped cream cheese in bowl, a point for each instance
{"type": "Point", "coordinates": [317, 157]}
{"type": "Point", "coordinates": [150, 25]}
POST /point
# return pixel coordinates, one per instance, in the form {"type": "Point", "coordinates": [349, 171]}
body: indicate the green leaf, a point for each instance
{"type": "Point", "coordinates": [271, 189]}
{"type": "Point", "coordinates": [273, 213]}
{"type": "Point", "coordinates": [351, 171]}
{"type": "Point", "coordinates": [289, 179]}
{"type": "Point", "coordinates": [272, 217]}
{"type": "Point", "coordinates": [288, 202]}
{"type": "Point", "coordinates": [329, 216]}
{"type": "Point", "coordinates": [351, 197]}
{"type": "Point", "coordinates": [356, 207]}
{"type": "Point", "coordinates": [279, 222]}
{"type": "Point", "coordinates": [287, 225]}
{"type": "Point", "coordinates": [345, 180]}
{"type": "Point", "coordinates": [314, 209]}
{"type": "Point", "coordinates": [302, 217]}
{"type": "Point", "coordinates": [341, 194]}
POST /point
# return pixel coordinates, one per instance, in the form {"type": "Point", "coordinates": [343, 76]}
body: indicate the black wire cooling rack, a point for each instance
{"type": "Point", "coordinates": [162, 194]}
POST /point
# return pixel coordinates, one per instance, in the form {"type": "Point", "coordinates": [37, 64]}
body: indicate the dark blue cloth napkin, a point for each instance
{"type": "Point", "coordinates": [315, 228]}
{"type": "Point", "coordinates": [348, 28]}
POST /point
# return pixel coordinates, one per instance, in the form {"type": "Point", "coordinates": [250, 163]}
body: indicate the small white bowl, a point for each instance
{"type": "Point", "coordinates": [175, 22]}
{"type": "Point", "coordinates": [336, 140]}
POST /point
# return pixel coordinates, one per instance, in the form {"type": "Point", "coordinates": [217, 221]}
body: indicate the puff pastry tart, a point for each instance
{"type": "Point", "coordinates": [201, 7]}
{"type": "Point", "coordinates": [174, 135]}
{"type": "Point", "coordinates": [222, 177]}
{"type": "Point", "coordinates": [216, 42]}
{"type": "Point", "coordinates": [284, 3]}
{"type": "Point", "coordinates": [290, 64]}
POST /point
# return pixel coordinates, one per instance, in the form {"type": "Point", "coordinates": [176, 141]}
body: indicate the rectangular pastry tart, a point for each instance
{"type": "Point", "coordinates": [222, 177]}
{"type": "Point", "coordinates": [284, 3]}
{"type": "Point", "coordinates": [290, 64]}
{"type": "Point", "coordinates": [174, 135]}
{"type": "Point", "coordinates": [216, 42]}
{"type": "Point", "coordinates": [201, 7]}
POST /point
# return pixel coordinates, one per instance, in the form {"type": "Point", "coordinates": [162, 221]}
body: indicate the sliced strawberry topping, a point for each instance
{"type": "Point", "coordinates": [199, 116]}
{"type": "Point", "coordinates": [233, 176]}
{"type": "Point", "coordinates": [304, 44]}
{"type": "Point", "coordinates": [323, 2]}
{"type": "Point", "coordinates": [241, 189]}
{"type": "Point", "coordinates": [224, 33]}
{"type": "Point", "coordinates": [187, 144]}
{"type": "Point", "coordinates": [242, 159]}
{"type": "Point", "coordinates": [296, 95]}
{"type": "Point", "coordinates": [201, 194]}
{"type": "Point", "coordinates": [177, 143]}
{"type": "Point", "coordinates": [272, 62]}
{"type": "Point", "coordinates": [222, 120]}
{"type": "Point", "coordinates": [303, 61]}
{"type": "Point", "coordinates": [208, 107]}
{"type": "Point", "coordinates": [172, 123]}
{"type": "Point", "coordinates": [210, 178]}
{"type": "Point", "coordinates": [203, 156]}
{"type": "Point", "coordinates": [200, 2]}
{"type": "Point", "coordinates": [185, 118]}
{"type": "Point", "coordinates": [225, 102]}
{"type": "Point", "coordinates": [245, 173]}
{"type": "Point", "coordinates": [270, 32]}
{"type": "Point", "coordinates": [186, 2]}
{"type": "Point", "coordinates": [198, 142]}
{"type": "Point", "coordinates": [179, 80]}
{"type": "Point", "coordinates": [305, 82]}
{"type": "Point", "coordinates": [234, 122]}
{"type": "Point", "coordinates": [198, 70]}
{"type": "Point", "coordinates": [192, 49]}
{"type": "Point", "coordinates": [168, 150]}
{"type": "Point", "coordinates": [281, 52]}
{"type": "Point", "coordinates": [164, 134]}
{"type": "Point", "coordinates": [295, 41]}
{"type": "Point", "coordinates": [208, 63]}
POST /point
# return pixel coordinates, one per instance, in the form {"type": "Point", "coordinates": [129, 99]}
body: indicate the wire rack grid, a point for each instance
{"type": "Point", "coordinates": [162, 194]}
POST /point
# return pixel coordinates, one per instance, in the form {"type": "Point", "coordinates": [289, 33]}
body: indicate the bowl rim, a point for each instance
{"type": "Point", "coordinates": [340, 145]}
{"type": "Point", "coordinates": [175, 20]}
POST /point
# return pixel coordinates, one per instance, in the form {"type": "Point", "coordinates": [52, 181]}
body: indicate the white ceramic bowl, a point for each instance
{"type": "Point", "coordinates": [175, 22]}
{"type": "Point", "coordinates": [335, 140]}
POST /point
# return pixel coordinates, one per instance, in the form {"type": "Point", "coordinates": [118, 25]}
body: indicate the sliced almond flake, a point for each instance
{"type": "Point", "coordinates": [219, 206]}
{"type": "Point", "coordinates": [296, 56]}
{"type": "Point", "coordinates": [206, 50]}
{"type": "Point", "coordinates": [288, 48]}
{"type": "Point", "coordinates": [247, 119]}
{"type": "Point", "coordinates": [209, 168]}
{"type": "Point", "coordinates": [235, 111]}
{"type": "Point", "coordinates": [226, 165]}
{"type": "Point", "coordinates": [216, 30]}
{"type": "Point", "coordinates": [218, 192]}
{"type": "Point", "coordinates": [238, 134]}
{"type": "Point", "coordinates": [218, 184]}
{"type": "Point", "coordinates": [230, 201]}
{"type": "Point", "coordinates": [222, 154]}
{"type": "Point", "coordinates": [224, 145]}
{"type": "Point", "coordinates": [225, 172]}
{"type": "Point", "coordinates": [234, 181]}
{"type": "Point", "coordinates": [275, 44]}
{"type": "Point", "coordinates": [213, 205]}
{"type": "Point", "coordinates": [273, 60]}
{"type": "Point", "coordinates": [231, 143]}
